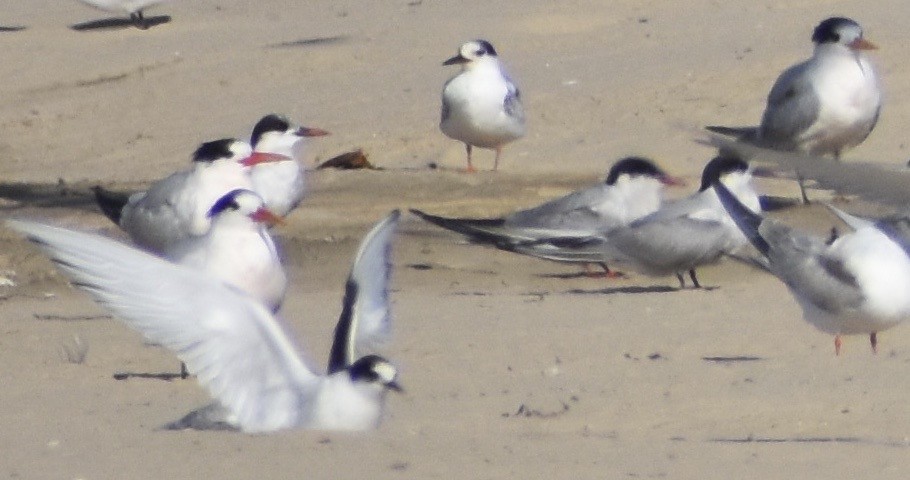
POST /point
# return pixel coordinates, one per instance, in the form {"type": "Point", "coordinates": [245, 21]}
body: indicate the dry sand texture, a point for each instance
{"type": "Point", "coordinates": [514, 368]}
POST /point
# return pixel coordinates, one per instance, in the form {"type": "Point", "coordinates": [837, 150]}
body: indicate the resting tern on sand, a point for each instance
{"type": "Point", "coordinates": [679, 237]}
{"type": "Point", "coordinates": [481, 106]}
{"type": "Point", "coordinates": [236, 348]}
{"type": "Point", "coordinates": [633, 188]}
{"type": "Point", "coordinates": [177, 206]}
{"type": "Point", "coordinates": [858, 283]}
{"type": "Point", "coordinates": [281, 184]}
{"type": "Point", "coordinates": [824, 105]}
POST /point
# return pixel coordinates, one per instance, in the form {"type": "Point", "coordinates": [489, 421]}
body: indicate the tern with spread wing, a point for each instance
{"type": "Point", "coordinates": [234, 345]}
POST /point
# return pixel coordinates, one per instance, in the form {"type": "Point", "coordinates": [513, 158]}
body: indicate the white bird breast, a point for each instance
{"type": "Point", "coordinates": [345, 405]}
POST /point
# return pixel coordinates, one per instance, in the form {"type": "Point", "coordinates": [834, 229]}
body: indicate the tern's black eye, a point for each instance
{"type": "Point", "coordinates": [480, 53]}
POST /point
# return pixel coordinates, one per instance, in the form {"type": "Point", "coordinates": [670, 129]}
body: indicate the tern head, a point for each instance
{"type": "Point", "coordinates": [373, 369]}
{"type": "Point", "coordinates": [841, 31]}
{"type": "Point", "coordinates": [244, 203]}
{"type": "Point", "coordinates": [275, 133]}
{"type": "Point", "coordinates": [223, 149]}
{"type": "Point", "coordinates": [720, 169]}
{"type": "Point", "coordinates": [473, 51]}
{"type": "Point", "coordinates": [631, 167]}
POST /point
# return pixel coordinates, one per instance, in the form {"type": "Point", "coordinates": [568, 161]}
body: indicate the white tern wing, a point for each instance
{"type": "Point", "coordinates": [234, 346]}
{"type": "Point", "coordinates": [365, 321]}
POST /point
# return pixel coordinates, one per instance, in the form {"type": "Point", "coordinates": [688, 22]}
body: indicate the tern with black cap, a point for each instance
{"type": "Point", "coordinates": [481, 106]}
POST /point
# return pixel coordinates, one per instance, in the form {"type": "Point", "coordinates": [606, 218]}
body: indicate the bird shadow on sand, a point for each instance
{"type": "Point", "coordinates": [732, 359]}
{"type": "Point", "coordinates": [751, 439]}
{"type": "Point", "coordinates": [46, 195]}
{"type": "Point", "coordinates": [310, 42]}
{"type": "Point", "coordinates": [117, 23]}
{"type": "Point", "coordinates": [614, 290]}
{"type": "Point", "coordinates": [902, 443]}
{"type": "Point", "coordinates": [165, 376]}
{"type": "Point", "coordinates": [11, 28]}
{"type": "Point", "coordinates": [574, 275]}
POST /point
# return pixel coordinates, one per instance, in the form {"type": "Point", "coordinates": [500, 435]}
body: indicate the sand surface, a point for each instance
{"type": "Point", "coordinates": [514, 368]}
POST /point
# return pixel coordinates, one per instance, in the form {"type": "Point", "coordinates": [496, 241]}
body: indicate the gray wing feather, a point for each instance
{"type": "Point", "coordinates": [511, 104]}
{"type": "Point", "coordinates": [743, 134]}
{"type": "Point", "coordinates": [793, 106]}
{"type": "Point", "coordinates": [897, 228]}
{"type": "Point", "coordinates": [852, 221]}
{"type": "Point", "coordinates": [800, 261]}
{"type": "Point", "coordinates": [564, 249]}
{"type": "Point", "coordinates": [665, 247]}
{"type": "Point", "coordinates": [572, 212]}
{"type": "Point", "coordinates": [446, 110]}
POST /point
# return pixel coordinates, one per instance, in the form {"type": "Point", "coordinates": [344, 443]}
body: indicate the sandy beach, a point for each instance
{"type": "Point", "coordinates": [513, 367]}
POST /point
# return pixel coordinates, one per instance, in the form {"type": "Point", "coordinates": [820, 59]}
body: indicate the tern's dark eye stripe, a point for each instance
{"type": "Point", "coordinates": [228, 201]}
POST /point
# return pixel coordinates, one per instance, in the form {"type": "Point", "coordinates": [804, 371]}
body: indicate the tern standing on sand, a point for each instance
{"type": "Point", "coordinates": [481, 106]}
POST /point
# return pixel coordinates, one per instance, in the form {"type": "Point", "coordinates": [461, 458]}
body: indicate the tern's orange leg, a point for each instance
{"type": "Point", "coordinates": [837, 344]}
{"type": "Point", "coordinates": [496, 161]}
{"type": "Point", "coordinates": [471, 168]}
